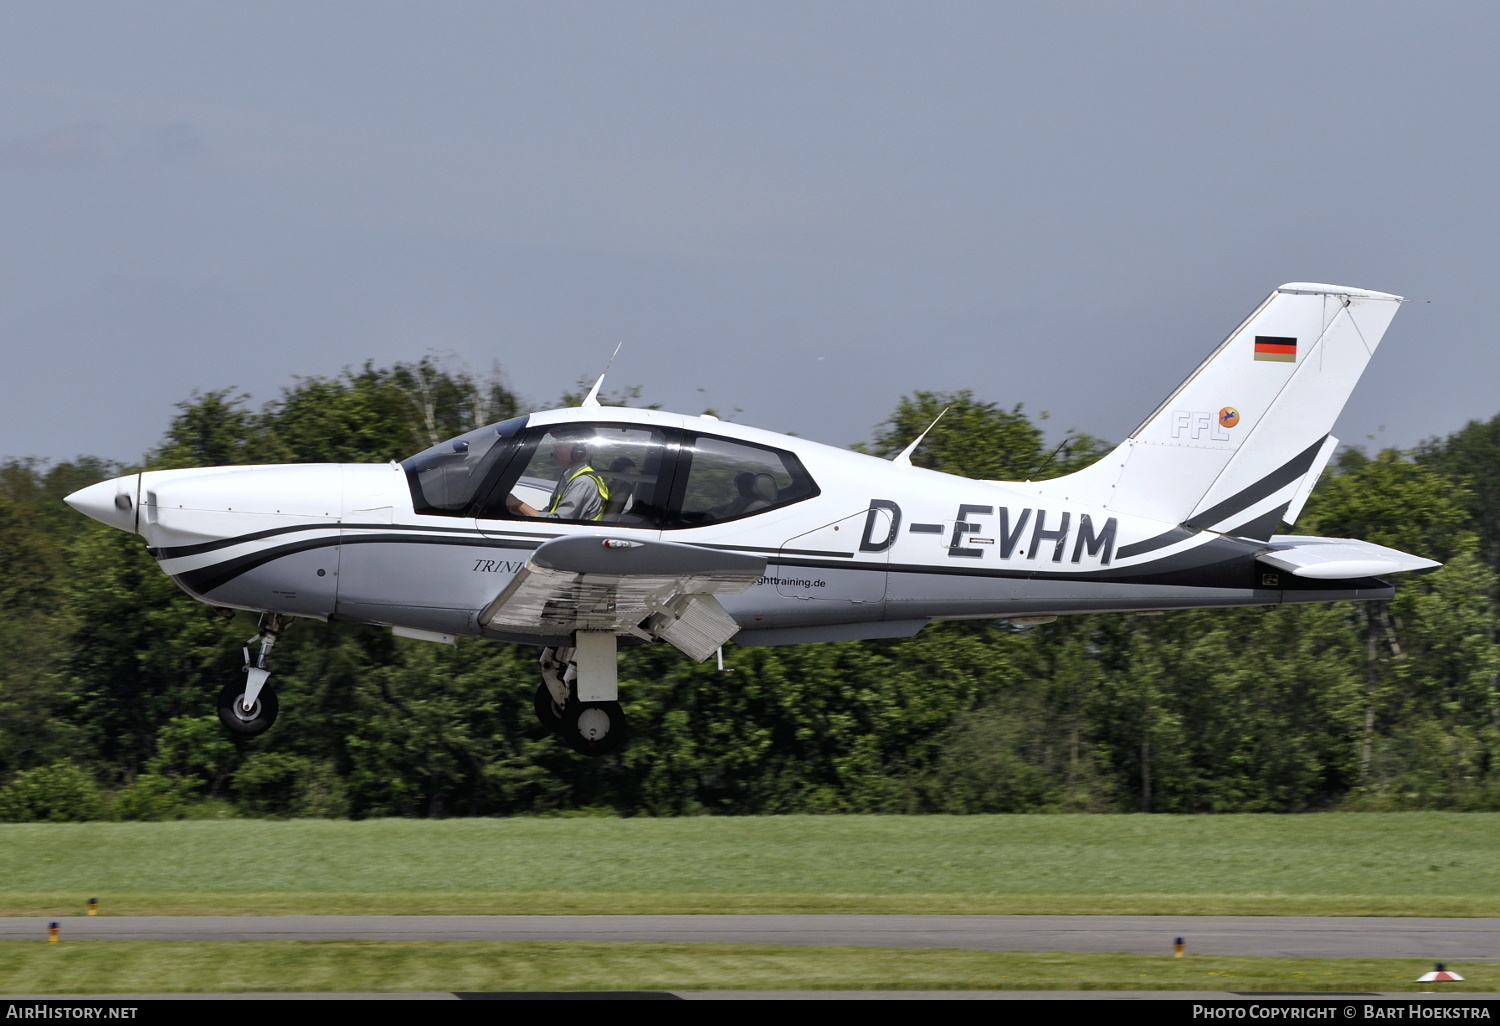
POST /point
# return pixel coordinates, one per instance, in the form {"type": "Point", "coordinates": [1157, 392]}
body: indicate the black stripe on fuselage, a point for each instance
{"type": "Point", "coordinates": [1217, 551]}
{"type": "Point", "coordinates": [1270, 484]}
{"type": "Point", "coordinates": [761, 548]}
{"type": "Point", "coordinates": [1260, 528]}
{"type": "Point", "coordinates": [1160, 541]}
{"type": "Point", "coordinates": [202, 579]}
{"type": "Point", "coordinates": [178, 551]}
{"type": "Point", "coordinates": [205, 579]}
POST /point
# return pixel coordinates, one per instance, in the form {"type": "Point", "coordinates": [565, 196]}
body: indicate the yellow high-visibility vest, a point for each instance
{"type": "Point", "coordinates": [599, 483]}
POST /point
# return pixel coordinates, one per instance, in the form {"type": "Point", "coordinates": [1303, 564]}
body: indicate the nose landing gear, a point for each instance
{"type": "Point", "coordinates": [249, 708]}
{"type": "Point", "coordinates": [593, 727]}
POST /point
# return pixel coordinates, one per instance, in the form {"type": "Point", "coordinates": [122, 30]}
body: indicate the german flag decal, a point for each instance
{"type": "Point", "coordinates": [1276, 349]}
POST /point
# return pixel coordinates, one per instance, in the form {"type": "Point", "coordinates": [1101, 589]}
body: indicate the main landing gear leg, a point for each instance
{"type": "Point", "coordinates": [249, 709]}
{"type": "Point", "coordinates": [579, 695]}
{"type": "Point", "coordinates": [558, 673]}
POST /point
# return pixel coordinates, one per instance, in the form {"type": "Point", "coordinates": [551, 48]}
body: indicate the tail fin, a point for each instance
{"type": "Point", "coordinates": [1244, 438]}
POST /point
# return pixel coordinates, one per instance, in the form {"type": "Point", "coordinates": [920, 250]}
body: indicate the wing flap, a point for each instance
{"type": "Point", "coordinates": [591, 583]}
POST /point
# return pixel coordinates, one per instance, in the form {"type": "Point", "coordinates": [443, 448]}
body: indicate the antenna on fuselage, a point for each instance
{"type": "Point", "coordinates": [904, 458]}
{"type": "Point", "coordinates": [592, 399]}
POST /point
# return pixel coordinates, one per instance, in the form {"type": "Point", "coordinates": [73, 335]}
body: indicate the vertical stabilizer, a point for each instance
{"type": "Point", "coordinates": [1233, 448]}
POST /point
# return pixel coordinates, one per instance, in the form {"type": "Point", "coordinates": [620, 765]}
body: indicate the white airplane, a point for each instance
{"type": "Point", "coordinates": [702, 531]}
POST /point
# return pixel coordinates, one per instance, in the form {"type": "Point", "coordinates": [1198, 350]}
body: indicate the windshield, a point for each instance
{"type": "Point", "coordinates": [445, 478]}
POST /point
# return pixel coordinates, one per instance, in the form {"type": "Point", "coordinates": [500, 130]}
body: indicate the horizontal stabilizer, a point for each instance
{"type": "Point", "coordinates": [1339, 559]}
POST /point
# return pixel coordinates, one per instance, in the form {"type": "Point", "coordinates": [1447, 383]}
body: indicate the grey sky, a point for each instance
{"type": "Point", "coordinates": [804, 209]}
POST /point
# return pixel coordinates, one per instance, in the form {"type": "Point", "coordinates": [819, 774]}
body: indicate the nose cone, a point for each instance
{"type": "Point", "coordinates": [110, 502]}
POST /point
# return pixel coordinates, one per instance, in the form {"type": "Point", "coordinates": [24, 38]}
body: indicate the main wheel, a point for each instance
{"type": "Point", "coordinates": [548, 712]}
{"type": "Point", "coordinates": [594, 728]}
{"type": "Point", "coordinates": [247, 724]}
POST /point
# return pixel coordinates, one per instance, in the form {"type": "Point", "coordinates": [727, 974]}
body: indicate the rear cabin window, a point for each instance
{"type": "Point", "coordinates": [721, 480]}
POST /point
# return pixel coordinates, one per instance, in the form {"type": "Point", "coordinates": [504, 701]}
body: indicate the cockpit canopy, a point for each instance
{"type": "Point", "coordinates": [654, 476]}
{"type": "Point", "coordinates": [446, 477]}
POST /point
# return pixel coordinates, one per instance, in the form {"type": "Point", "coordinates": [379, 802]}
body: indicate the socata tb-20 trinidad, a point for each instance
{"type": "Point", "coordinates": [705, 531]}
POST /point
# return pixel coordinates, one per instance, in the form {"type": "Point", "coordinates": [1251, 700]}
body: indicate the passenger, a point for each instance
{"type": "Point", "coordinates": [744, 484]}
{"type": "Point", "coordinates": [756, 492]}
{"type": "Point", "coordinates": [581, 493]}
{"type": "Point", "coordinates": [621, 478]}
{"type": "Point", "coordinates": [764, 489]}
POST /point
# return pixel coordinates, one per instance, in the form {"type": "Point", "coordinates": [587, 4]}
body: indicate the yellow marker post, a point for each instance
{"type": "Point", "coordinates": [52, 932]}
{"type": "Point", "coordinates": [1178, 947]}
{"type": "Point", "coordinates": [93, 906]}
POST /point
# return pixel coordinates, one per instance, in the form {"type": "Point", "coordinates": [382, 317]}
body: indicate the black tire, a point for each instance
{"type": "Point", "coordinates": [258, 721]}
{"type": "Point", "coordinates": [548, 713]}
{"type": "Point", "coordinates": [594, 728]}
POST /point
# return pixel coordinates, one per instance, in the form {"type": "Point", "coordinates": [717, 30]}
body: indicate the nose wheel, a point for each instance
{"type": "Point", "coordinates": [249, 707]}
{"type": "Point", "coordinates": [252, 721]}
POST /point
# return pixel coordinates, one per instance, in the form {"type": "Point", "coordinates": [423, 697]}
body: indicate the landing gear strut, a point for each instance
{"type": "Point", "coordinates": [577, 699]}
{"type": "Point", "coordinates": [552, 693]}
{"type": "Point", "coordinates": [249, 708]}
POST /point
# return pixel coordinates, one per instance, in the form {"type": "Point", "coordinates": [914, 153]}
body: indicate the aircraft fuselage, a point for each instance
{"type": "Point", "coordinates": [878, 551]}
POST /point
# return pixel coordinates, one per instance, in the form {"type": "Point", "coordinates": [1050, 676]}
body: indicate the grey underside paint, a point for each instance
{"type": "Point", "coordinates": [586, 554]}
{"type": "Point", "coordinates": [289, 584]}
{"type": "Point", "coordinates": [431, 587]}
{"type": "Point", "coordinates": [831, 632]}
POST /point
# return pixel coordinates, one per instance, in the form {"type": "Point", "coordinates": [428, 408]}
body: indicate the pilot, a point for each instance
{"type": "Point", "coordinates": [581, 492]}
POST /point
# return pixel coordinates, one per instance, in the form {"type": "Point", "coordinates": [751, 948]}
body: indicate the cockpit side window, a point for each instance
{"type": "Point", "coordinates": [724, 479]}
{"type": "Point", "coordinates": [631, 462]}
{"type": "Point", "coordinates": [446, 479]}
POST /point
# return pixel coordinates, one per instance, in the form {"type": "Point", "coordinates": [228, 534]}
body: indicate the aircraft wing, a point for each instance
{"type": "Point", "coordinates": [1333, 559]}
{"type": "Point", "coordinates": [653, 589]}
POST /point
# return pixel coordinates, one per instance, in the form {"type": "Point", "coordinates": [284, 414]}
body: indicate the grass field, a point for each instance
{"type": "Point", "coordinates": [120, 967]}
{"type": "Point", "coordinates": [1430, 864]}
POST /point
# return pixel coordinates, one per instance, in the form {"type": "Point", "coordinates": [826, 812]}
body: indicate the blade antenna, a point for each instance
{"type": "Point", "coordinates": [592, 399]}
{"type": "Point", "coordinates": [903, 459]}
{"type": "Point", "coordinates": [1069, 440]}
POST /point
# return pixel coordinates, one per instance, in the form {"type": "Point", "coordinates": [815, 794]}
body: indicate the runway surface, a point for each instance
{"type": "Point", "coordinates": [1295, 936]}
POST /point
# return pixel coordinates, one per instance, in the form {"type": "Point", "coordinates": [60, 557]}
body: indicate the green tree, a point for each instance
{"type": "Point", "coordinates": [141, 652]}
{"type": "Point", "coordinates": [211, 429]}
{"type": "Point", "coordinates": [1471, 456]}
{"type": "Point", "coordinates": [1389, 500]}
{"type": "Point", "coordinates": [35, 621]}
{"type": "Point", "coordinates": [979, 440]}
{"type": "Point", "coordinates": [62, 792]}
